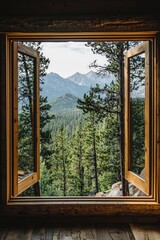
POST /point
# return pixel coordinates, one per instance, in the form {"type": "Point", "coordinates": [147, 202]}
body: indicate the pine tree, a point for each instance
{"type": "Point", "coordinates": [90, 155]}
{"type": "Point", "coordinates": [60, 165]}
{"type": "Point", "coordinates": [76, 171]}
{"type": "Point", "coordinates": [25, 101]}
{"type": "Point", "coordinates": [108, 153]}
{"type": "Point", "coordinates": [109, 100]}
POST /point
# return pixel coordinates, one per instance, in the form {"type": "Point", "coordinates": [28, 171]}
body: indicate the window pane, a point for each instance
{"type": "Point", "coordinates": [137, 113]}
{"type": "Point", "coordinates": [25, 115]}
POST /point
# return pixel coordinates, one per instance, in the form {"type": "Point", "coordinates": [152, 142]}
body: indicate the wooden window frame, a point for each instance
{"type": "Point", "coordinates": [32, 178]}
{"type": "Point", "coordinates": [142, 184]}
{"type": "Point", "coordinates": [80, 206]}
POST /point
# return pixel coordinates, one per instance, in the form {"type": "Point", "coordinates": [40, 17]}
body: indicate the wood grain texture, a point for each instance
{"type": "Point", "coordinates": [145, 232]}
{"type": "Point", "coordinates": [74, 234]}
{"type": "Point", "coordinates": [3, 231]}
{"type": "Point", "coordinates": [45, 232]}
{"type": "Point", "coordinates": [79, 232]}
{"type": "Point", "coordinates": [81, 212]}
{"type": "Point", "coordinates": [102, 24]}
{"type": "Point", "coordinates": [115, 232]}
{"type": "Point", "coordinates": [14, 233]}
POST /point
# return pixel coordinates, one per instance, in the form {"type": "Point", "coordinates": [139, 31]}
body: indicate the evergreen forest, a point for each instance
{"type": "Point", "coordinates": [82, 145]}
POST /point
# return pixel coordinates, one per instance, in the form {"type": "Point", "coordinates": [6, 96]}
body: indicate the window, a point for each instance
{"type": "Point", "coordinates": [138, 126]}
{"type": "Point", "coordinates": [26, 167]}
{"type": "Point", "coordinates": [145, 55]}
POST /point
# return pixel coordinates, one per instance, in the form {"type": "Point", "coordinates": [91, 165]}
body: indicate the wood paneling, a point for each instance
{"type": "Point", "coordinates": [87, 213]}
{"type": "Point", "coordinates": [107, 23]}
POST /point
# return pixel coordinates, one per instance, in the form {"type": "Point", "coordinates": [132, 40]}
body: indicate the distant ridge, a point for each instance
{"type": "Point", "coordinates": [63, 103]}
{"type": "Point", "coordinates": [90, 79]}
{"type": "Point", "coordinates": [55, 86]}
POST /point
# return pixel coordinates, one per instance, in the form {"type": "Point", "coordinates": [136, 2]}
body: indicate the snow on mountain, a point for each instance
{"type": "Point", "coordinates": [90, 79]}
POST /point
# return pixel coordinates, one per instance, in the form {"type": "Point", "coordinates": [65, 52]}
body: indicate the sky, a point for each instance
{"type": "Point", "coordinates": [67, 58]}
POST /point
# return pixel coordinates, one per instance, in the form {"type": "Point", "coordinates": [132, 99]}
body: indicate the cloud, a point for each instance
{"type": "Point", "coordinates": [72, 46]}
{"type": "Point", "coordinates": [66, 58]}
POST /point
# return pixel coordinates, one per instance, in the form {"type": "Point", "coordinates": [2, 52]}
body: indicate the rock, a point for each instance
{"type": "Point", "coordinates": [101, 194]}
{"type": "Point", "coordinates": [116, 189]}
{"type": "Point", "coordinates": [115, 192]}
{"type": "Point", "coordinates": [117, 185]}
{"type": "Point", "coordinates": [139, 193]}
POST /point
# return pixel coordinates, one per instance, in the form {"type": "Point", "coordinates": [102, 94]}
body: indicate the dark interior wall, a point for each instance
{"type": "Point", "coordinates": [75, 8]}
{"type": "Point", "coordinates": [79, 15]}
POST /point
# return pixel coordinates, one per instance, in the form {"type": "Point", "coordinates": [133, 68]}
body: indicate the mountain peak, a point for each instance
{"type": "Point", "coordinates": [77, 84]}
{"type": "Point", "coordinates": [89, 79]}
{"type": "Point", "coordinates": [56, 86]}
{"type": "Point", "coordinates": [52, 76]}
{"type": "Point", "coordinates": [77, 74]}
{"type": "Point", "coordinates": [53, 73]}
{"type": "Point", "coordinates": [91, 74]}
{"type": "Point", "coordinates": [63, 103]}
